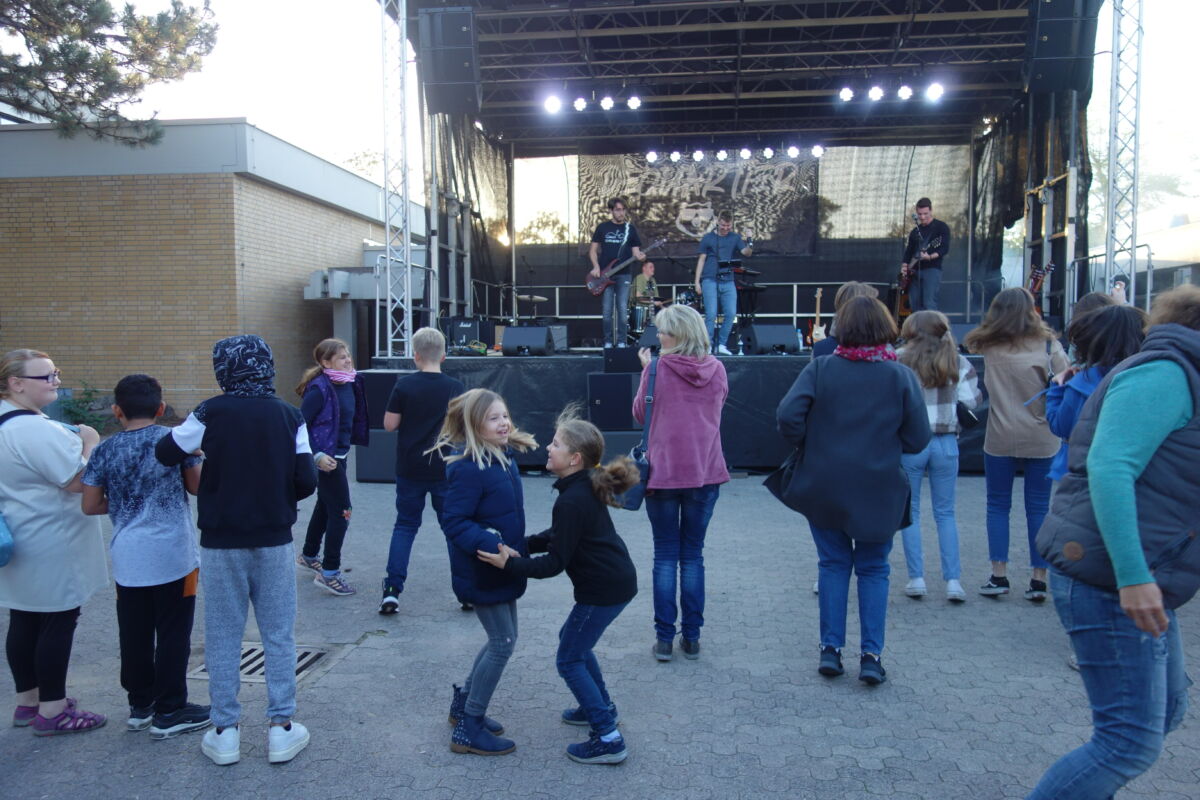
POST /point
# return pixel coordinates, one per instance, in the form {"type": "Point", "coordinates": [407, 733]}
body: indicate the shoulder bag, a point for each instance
{"type": "Point", "coordinates": [632, 499]}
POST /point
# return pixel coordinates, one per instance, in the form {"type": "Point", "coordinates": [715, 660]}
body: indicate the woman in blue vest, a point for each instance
{"type": "Point", "coordinates": [1121, 543]}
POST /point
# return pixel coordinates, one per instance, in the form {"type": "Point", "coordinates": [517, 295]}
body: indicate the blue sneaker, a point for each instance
{"type": "Point", "coordinates": [575, 716]}
{"type": "Point", "coordinates": [597, 751]}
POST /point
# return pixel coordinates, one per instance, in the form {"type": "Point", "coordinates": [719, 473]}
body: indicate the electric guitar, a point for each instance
{"type": "Point", "coordinates": [1037, 277]}
{"type": "Point", "coordinates": [910, 269]}
{"type": "Point", "coordinates": [596, 284]}
{"type": "Point", "coordinates": [816, 331]}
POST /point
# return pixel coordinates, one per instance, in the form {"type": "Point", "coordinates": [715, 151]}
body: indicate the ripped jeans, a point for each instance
{"type": "Point", "coordinates": [500, 623]}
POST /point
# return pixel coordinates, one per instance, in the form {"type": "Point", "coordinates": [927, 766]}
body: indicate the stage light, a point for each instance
{"type": "Point", "coordinates": [675, 156]}
{"type": "Point", "coordinates": [652, 156]}
{"type": "Point", "coordinates": [580, 104]}
{"type": "Point", "coordinates": [697, 155]}
{"type": "Point", "coordinates": [745, 153]}
{"type": "Point", "coordinates": [818, 151]}
{"type": "Point", "coordinates": [478, 125]}
{"type": "Point", "coordinates": [934, 92]}
{"type": "Point", "coordinates": [722, 155]}
{"type": "Point", "coordinates": [634, 103]}
{"type": "Point", "coordinates": [876, 94]}
{"type": "Point", "coordinates": [606, 103]}
{"type": "Point", "coordinates": [847, 94]}
{"type": "Point", "coordinates": [768, 152]}
{"type": "Point", "coordinates": [793, 151]}
{"type": "Point", "coordinates": [904, 92]}
{"type": "Point", "coordinates": [552, 104]}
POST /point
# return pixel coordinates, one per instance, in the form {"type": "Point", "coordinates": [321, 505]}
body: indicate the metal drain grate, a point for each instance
{"type": "Point", "coordinates": [253, 665]}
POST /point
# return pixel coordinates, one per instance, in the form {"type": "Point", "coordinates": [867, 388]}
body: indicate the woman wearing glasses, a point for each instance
{"type": "Point", "coordinates": [58, 554]}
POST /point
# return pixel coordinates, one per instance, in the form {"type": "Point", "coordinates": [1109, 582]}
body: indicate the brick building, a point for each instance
{"type": "Point", "coordinates": [117, 259]}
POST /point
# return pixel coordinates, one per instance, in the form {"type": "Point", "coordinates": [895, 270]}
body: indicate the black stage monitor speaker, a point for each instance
{"type": "Point", "coordinates": [558, 331]}
{"type": "Point", "coordinates": [649, 338]}
{"type": "Point", "coordinates": [621, 359]}
{"type": "Point", "coordinates": [764, 338]}
{"type": "Point", "coordinates": [449, 59]}
{"type": "Point", "coordinates": [528, 342]}
{"type": "Point", "coordinates": [460, 331]}
{"type": "Point", "coordinates": [378, 384]}
{"type": "Point", "coordinates": [610, 399]}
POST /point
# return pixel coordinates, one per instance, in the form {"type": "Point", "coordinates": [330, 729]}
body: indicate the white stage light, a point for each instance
{"type": "Point", "coordinates": [697, 155]}
{"type": "Point", "coordinates": [478, 125]}
{"type": "Point", "coordinates": [722, 155]}
{"type": "Point", "coordinates": [652, 156]}
{"type": "Point", "coordinates": [847, 94]}
{"type": "Point", "coordinates": [934, 92]}
{"type": "Point", "coordinates": [745, 153]}
{"type": "Point", "coordinates": [552, 104]}
{"type": "Point", "coordinates": [675, 156]}
{"type": "Point", "coordinates": [904, 92]}
{"type": "Point", "coordinates": [634, 103]}
{"type": "Point", "coordinates": [606, 103]}
{"type": "Point", "coordinates": [768, 152]}
{"type": "Point", "coordinates": [793, 151]}
{"type": "Point", "coordinates": [818, 151]}
{"type": "Point", "coordinates": [875, 94]}
{"type": "Point", "coordinates": [580, 104]}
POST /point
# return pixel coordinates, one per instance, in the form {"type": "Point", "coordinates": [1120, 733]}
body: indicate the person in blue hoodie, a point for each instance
{"type": "Point", "coordinates": [484, 510]}
{"type": "Point", "coordinates": [1100, 339]}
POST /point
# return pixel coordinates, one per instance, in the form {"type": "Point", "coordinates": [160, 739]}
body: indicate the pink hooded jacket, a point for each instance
{"type": "Point", "coordinates": [685, 428]}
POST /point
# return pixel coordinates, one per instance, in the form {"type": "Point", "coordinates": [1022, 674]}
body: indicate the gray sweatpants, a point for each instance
{"type": "Point", "coordinates": [266, 577]}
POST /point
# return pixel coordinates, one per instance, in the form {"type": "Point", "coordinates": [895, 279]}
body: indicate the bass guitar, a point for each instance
{"type": "Point", "coordinates": [596, 284]}
{"type": "Point", "coordinates": [910, 269]}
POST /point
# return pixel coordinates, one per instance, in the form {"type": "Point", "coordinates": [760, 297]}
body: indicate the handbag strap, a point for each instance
{"type": "Point", "coordinates": [649, 403]}
{"type": "Point", "coordinates": [20, 412]}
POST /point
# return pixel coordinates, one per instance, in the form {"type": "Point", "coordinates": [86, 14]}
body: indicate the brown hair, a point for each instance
{"type": "Point", "coordinates": [850, 290]}
{"type": "Point", "coordinates": [864, 322]}
{"type": "Point", "coordinates": [1011, 319]}
{"type": "Point", "coordinates": [929, 349]}
{"type": "Point", "coordinates": [464, 418]}
{"type": "Point", "coordinates": [1090, 302]}
{"type": "Point", "coordinates": [324, 351]}
{"type": "Point", "coordinates": [580, 436]}
{"type": "Point", "coordinates": [725, 216]}
{"type": "Point", "coordinates": [924, 202]}
{"type": "Point", "coordinates": [1180, 306]}
{"type": "Point", "coordinates": [1107, 336]}
{"type": "Point", "coordinates": [12, 365]}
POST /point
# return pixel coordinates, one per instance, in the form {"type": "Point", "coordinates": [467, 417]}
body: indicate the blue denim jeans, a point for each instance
{"type": "Point", "coordinates": [837, 556]}
{"type": "Point", "coordinates": [499, 621]}
{"type": "Point", "coordinates": [722, 293]}
{"type": "Point", "coordinates": [925, 288]}
{"type": "Point", "coordinates": [619, 293]}
{"type": "Point", "coordinates": [410, 505]}
{"type": "Point", "coordinates": [999, 473]}
{"type": "Point", "coordinates": [1136, 685]}
{"type": "Point", "coordinates": [578, 666]}
{"type": "Point", "coordinates": [679, 519]}
{"type": "Point", "coordinates": [940, 458]}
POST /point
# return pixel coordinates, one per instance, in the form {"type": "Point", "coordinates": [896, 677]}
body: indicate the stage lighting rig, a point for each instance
{"type": "Point", "coordinates": [675, 156]}
{"type": "Point", "coordinates": [793, 151]}
{"type": "Point", "coordinates": [745, 153]}
{"type": "Point", "coordinates": [876, 94]}
{"type": "Point", "coordinates": [722, 155]}
{"type": "Point", "coordinates": [846, 94]}
{"type": "Point", "coordinates": [652, 156]}
{"type": "Point", "coordinates": [768, 152]}
{"type": "Point", "coordinates": [904, 92]}
{"type": "Point", "coordinates": [934, 92]}
{"type": "Point", "coordinates": [606, 102]}
{"type": "Point", "coordinates": [634, 102]}
{"type": "Point", "coordinates": [552, 104]}
{"type": "Point", "coordinates": [580, 103]}
{"type": "Point", "coordinates": [817, 151]}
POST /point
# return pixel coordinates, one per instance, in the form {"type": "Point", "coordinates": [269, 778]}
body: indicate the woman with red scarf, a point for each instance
{"type": "Point", "coordinates": [850, 415]}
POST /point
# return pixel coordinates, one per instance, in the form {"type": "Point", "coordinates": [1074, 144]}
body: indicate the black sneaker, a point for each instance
{"type": "Point", "coordinates": [831, 662]}
{"type": "Point", "coordinates": [597, 751]}
{"type": "Point", "coordinates": [1036, 593]}
{"type": "Point", "coordinates": [140, 718]}
{"type": "Point", "coordinates": [183, 720]}
{"type": "Point", "coordinates": [994, 587]}
{"type": "Point", "coordinates": [870, 670]}
{"type": "Point", "coordinates": [691, 648]}
{"type": "Point", "coordinates": [465, 606]}
{"type": "Point", "coordinates": [391, 600]}
{"type": "Point", "coordinates": [662, 650]}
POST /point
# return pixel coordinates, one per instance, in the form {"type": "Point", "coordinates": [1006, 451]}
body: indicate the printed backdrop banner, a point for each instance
{"type": "Point", "coordinates": [775, 199]}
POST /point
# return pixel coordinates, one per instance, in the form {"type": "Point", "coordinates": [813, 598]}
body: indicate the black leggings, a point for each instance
{"type": "Point", "coordinates": [330, 517]}
{"type": "Point", "coordinates": [39, 649]}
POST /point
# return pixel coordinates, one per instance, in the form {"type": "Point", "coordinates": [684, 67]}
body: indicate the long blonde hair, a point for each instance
{"type": "Point", "coordinates": [929, 349]}
{"type": "Point", "coordinates": [464, 418]}
{"type": "Point", "coordinates": [580, 436]}
{"type": "Point", "coordinates": [687, 326]}
{"type": "Point", "coordinates": [325, 350]}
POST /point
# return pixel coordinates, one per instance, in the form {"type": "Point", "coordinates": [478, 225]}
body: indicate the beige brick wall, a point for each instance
{"type": "Point", "coordinates": [112, 275]}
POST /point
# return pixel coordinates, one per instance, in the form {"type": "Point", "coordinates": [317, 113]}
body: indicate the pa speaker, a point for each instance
{"type": "Point", "coordinates": [764, 338]}
{"type": "Point", "coordinates": [621, 359]}
{"type": "Point", "coordinates": [610, 399]}
{"type": "Point", "coordinates": [461, 331]}
{"type": "Point", "coordinates": [1062, 38]}
{"type": "Point", "coordinates": [528, 342]}
{"type": "Point", "coordinates": [449, 59]}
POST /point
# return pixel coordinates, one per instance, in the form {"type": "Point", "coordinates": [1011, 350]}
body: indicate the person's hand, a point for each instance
{"type": "Point", "coordinates": [1117, 293]}
{"type": "Point", "coordinates": [325, 463]}
{"type": "Point", "coordinates": [89, 436]}
{"type": "Point", "coordinates": [926, 257]}
{"type": "Point", "coordinates": [699, 291]}
{"type": "Point", "coordinates": [644, 356]}
{"type": "Point", "coordinates": [1143, 604]}
{"type": "Point", "coordinates": [1065, 375]}
{"type": "Point", "coordinates": [497, 560]}
{"type": "Point", "coordinates": [510, 552]}
{"type": "Point", "coordinates": [641, 256]}
{"type": "Point", "coordinates": [595, 273]}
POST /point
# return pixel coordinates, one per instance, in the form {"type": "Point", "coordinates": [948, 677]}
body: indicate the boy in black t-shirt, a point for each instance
{"type": "Point", "coordinates": [615, 240]}
{"type": "Point", "coordinates": [416, 411]}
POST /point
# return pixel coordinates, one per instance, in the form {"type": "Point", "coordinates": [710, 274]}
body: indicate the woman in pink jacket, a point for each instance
{"type": "Point", "coordinates": [687, 467]}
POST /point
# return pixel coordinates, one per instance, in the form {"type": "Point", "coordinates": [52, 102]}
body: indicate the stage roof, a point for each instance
{"type": "Point", "coordinates": [729, 73]}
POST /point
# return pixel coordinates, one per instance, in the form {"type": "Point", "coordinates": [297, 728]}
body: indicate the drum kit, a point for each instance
{"type": "Point", "coordinates": [641, 313]}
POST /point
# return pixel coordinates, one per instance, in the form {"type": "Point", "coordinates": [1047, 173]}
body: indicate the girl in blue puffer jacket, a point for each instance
{"type": "Point", "coordinates": [484, 508]}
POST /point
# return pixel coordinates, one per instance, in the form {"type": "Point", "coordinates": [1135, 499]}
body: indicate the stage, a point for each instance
{"type": "Point", "coordinates": [537, 388]}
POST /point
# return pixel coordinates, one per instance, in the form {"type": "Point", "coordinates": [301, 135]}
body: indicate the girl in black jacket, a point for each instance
{"type": "Point", "coordinates": [582, 541]}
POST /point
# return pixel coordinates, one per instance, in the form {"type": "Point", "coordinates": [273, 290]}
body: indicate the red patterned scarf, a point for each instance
{"type": "Point", "coordinates": [881, 352]}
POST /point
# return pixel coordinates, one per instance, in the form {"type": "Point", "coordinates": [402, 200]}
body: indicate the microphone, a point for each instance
{"type": "Point", "coordinates": [914, 217]}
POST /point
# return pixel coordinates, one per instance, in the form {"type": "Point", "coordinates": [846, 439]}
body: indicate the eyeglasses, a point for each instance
{"type": "Point", "coordinates": [53, 377]}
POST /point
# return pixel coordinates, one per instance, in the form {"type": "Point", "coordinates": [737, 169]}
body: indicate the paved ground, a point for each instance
{"type": "Point", "coordinates": [979, 699]}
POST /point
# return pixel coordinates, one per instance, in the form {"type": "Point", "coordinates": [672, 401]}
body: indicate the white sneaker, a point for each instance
{"type": "Point", "coordinates": [284, 744]}
{"type": "Point", "coordinates": [722, 350]}
{"type": "Point", "coordinates": [816, 587]}
{"type": "Point", "coordinates": [224, 747]}
{"type": "Point", "coordinates": [954, 592]}
{"type": "Point", "coordinates": [916, 588]}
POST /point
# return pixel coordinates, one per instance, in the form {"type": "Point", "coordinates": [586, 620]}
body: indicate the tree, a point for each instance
{"type": "Point", "coordinates": [78, 64]}
{"type": "Point", "coordinates": [546, 228]}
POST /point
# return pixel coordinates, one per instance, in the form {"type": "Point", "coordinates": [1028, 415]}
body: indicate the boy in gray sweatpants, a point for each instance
{"type": "Point", "coordinates": [257, 466]}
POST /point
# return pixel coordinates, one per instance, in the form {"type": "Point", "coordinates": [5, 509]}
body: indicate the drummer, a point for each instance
{"type": "Point", "coordinates": [645, 288]}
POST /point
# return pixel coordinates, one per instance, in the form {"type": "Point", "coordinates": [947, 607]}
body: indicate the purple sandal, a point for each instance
{"type": "Point", "coordinates": [23, 716]}
{"type": "Point", "coordinates": [71, 720]}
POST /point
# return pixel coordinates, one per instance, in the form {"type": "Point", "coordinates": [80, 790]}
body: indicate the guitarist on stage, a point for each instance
{"type": "Point", "coordinates": [614, 240]}
{"type": "Point", "coordinates": [928, 242]}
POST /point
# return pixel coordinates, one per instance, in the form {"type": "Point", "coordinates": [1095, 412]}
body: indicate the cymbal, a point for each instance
{"type": "Point", "coordinates": [532, 298]}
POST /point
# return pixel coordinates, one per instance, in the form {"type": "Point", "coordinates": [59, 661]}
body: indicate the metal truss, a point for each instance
{"type": "Point", "coordinates": [393, 276]}
{"type": "Point", "coordinates": [1120, 241]}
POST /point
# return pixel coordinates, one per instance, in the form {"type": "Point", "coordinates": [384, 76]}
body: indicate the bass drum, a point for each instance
{"type": "Point", "coordinates": [688, 297]}
{"type": "Point", "coordinates": [640, 316]}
